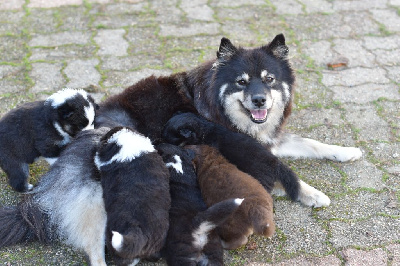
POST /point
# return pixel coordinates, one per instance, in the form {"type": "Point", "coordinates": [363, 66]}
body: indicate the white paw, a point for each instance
{"type": "Point", "coordinates": [30, 187]}
{"type": "Point", "coordinates": [312, 197]}
{"type": "Point", "coordinates": [345, 154]}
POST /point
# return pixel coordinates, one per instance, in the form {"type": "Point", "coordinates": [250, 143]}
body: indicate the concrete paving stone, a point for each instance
{"type": "Point", "coordinates": [11, 4]}
{"type": "Point", "coordinates": [120, 21]}
{"type": "Point", "coordinates": [183, 61]}
{"type": "Point", "coordinates": [354, 76]}
{"type": "Point", "coordinates": [47, 77]}
{"type": "Point", "coordinates": [61, 38]}
{"type": "Point", "coordinates": [157, 4]}
{"type": "Point", "coordinates": [354, 51]}
{"type": "Point", "coordinates": [302, 234]}
{"type": "Point", "coordinates": [10, 22]}
{"type": "Point", "coordinates": [236, 3]}
{"type": "Point", "coordinates": [74, 19]}
{"type": "Point", "coordinates": [375, 257]}
{"type": "Point", "coordinates": [360, 205]}
{"type": "Point", "coordinates": [12, 49]}
{"type": "Point", "coordinates": [309, 91]}
{"type": "Point", "coordinates": [201, 43]}
{"type": "Point", "coordinates": [369, 125]}
{"type": "Point", "coordinates": [355, 5]}
{"type": "Point", "coordinates": [111, 42]}
{"type": "Point", "coordinates": [202, 12]}
{"type": "Point", "coordinates": [9, 71]}
{"type": "Point", "coordinates": [361, 23]}
{"type": "Point", "coordinates": [172, 14]}
{"type": "Point", "coordinates": [290, 7]}
{"type": "Point", "coordinates": [126, 79]}
{"type": "Point", "coordinates": [248, 13]}
{"type": "Point", "coordinates": [366, 233]}
{"type": "Point", "coordinates": [130, 63]}
{"type": "Point", "coordinates": [394, 251]}
{"type": "Point", "coordinates": [385, 152]}
{"type": "Point", "coordinates": [42, 21]}
{"type": "Point", "coordinates": [60, 53]}
{"type": "Point", "coordinates": [238, 30]}
{"type": "Point", "coordinates": [330, 260]}
{"type": "Point", "coordinates": [394, 73]}
{"type": "Point", "coordinates": [189, 29]}
{"type": "Point", "coordinates": [386, 42]}
{"type": "Point", "coordinates": [143, 40]}
{"type": "Point", "coordinates": [82, 73]}
{"type": "Point", "coordinates": [100, 1]}
{"type": "Point", "coordinates": [394, 2]}
{"type": "Point", "coordinates": [119, 8]}
{"type": "Point", "coordinates": [53, 3]}
{"type": "Point", "coordinates": [389, 18]}
{"type": "Point", "coordinates": [365, 93]}
{"type": "Point", "coordinates": [317, 6]}
{"type": "Point", "coordinates": [10, 86]}
{"type": "Point", "coordinates": [192, 3]}
{"type": "Point", "coordinates": [312, 117]}
{"type": "Point", "coordinates": [320, 52]}
{"type": "Point", "coordinates": [387, 57]}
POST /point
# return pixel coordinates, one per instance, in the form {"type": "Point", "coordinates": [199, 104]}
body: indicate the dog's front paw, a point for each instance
{"type": "Point", "coordinates": [345, 154]}
{"type": "Point", "coordinates": [312, 197]}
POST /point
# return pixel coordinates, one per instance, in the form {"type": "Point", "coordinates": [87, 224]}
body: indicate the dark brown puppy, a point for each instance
{"type": "Point", "coordinates": [219, 180]}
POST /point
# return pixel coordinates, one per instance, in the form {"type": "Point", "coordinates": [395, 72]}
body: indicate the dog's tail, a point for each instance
{"type": "Point", "coordinates": [129, 245]}
{"type": "Point", "coordinates": [22, 223]}
{"type": "Point", "coordinates": [204, 222]}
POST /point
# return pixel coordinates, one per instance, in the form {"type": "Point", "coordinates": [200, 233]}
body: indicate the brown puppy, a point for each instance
{"type": "Point", "coordinates": [220, 180]}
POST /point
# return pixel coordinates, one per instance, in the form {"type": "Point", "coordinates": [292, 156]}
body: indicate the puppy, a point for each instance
{"type": "Point", "coordinates": [219, 180]}
{"type": "Point", "coordinates": [246, 153]}
{"type": "Point", "coordinates": [136, 195]}
{"type": "Point", "coordinates": [191, 238]}
{"type": "Point", "coordinates": [42, 128]}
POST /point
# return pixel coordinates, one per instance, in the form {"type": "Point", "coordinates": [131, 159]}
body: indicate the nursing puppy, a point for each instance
{"type": "Point", "coordinates": [136, 195]}
{"type": "Point", "coordinates": [219, 180]}
{"type": "Point", "coordinates": [245, 152]}
{"type": "Point", "coordinates": [191, 238]}
{"type": "Point", "coordinates": [67, 204]}
{"type": "Point", "coordinates": [42, 128]}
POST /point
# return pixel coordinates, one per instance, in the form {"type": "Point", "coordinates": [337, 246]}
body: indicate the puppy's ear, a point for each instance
{"type": "Point", "coordinates": [226, 49]}
{"type": "Point", "coordinates": [65, 111]}
{"type": "Point", "coordinates": [277, 47]}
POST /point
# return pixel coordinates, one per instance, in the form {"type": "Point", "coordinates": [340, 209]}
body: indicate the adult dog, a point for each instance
{"type": "Point", "coordinates": [247, 90]}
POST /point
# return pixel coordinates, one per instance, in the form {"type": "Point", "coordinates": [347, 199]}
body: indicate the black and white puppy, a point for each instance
{"type": "Point", "coordinates": [136, 195]}
{"type": "Point", "coordinates": [42, 128]}
{"type": "Point", "coordinates": [191, 238]}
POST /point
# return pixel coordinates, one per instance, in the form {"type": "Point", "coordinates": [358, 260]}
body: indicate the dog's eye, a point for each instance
{"type": "Point", "coordinates": [241, 82]}
{"type": "Point", "coordinates": [269, 79]}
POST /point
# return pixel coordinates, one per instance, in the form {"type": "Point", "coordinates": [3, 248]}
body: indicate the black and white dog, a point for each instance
{"type": "Point", "coordinates": [67, 204]}
{"type": "Point", "coordinates": [136, 195]}
{"type": "Point", "coordinates": [191, 238]}
{"type": "Point", "coordinates": [42, 128]}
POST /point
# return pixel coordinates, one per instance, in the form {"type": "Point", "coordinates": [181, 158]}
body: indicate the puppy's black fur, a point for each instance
{"type": "Point", "coordinates": [191, 238]}
{"type": "Point", "coordinates": [41, 128]}
{"type": "Point", "coordinates": [136, 195]}
{"type": "Point", "coordinates": [245, 152]}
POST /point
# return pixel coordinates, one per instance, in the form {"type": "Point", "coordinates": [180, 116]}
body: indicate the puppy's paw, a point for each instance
{"type": "Point", "coordinates": [312, 197]}
{"type": "Point", "coordinates": [29, 187]}
{"type": "Point", "coordinates": [279, 192]}
{"type": "Point", "coordinates": [345, 154]}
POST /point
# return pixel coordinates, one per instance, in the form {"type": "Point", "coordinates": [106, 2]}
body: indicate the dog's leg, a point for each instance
{"type": "Point", "coordinates": [308, 195]}
{"type": "Point", "coordinates": [297, 147]}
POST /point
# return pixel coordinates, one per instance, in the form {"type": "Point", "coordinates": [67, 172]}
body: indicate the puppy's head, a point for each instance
{"type": "Point", "coordinates": [253, 85]}
{"type": "Point", "coordinates": [71, 111]}
{"type": "Point", "coordinates": [121, 144]}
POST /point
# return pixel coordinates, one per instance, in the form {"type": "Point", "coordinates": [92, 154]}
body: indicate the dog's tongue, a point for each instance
{"type": "Point", "coordinates": [259, 114]}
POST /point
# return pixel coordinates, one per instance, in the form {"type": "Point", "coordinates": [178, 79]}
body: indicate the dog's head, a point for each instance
{"type": "Point", "coordinates": [71, 111]}
{"type": "Point", "coordinates": [253, 86]}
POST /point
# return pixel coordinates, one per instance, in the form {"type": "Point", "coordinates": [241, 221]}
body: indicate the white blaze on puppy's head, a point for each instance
{"type": "Point", "coordinates": [177, 165]}
{"type": "Point", "coordinates": [60, 97]}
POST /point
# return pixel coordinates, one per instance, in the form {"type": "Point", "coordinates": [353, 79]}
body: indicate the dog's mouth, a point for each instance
{"type": "Point", "coordinates": [258, 116]}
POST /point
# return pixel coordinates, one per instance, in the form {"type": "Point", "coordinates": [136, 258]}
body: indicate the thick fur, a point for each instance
{"type": "Point", "coordinates": [191, 238]}
{"type": "Point", "coordinates": [136, 195]}
{"type": "Point", "coordinates": [219, 180]}
{"type": "Point", "coordinates": [246, 90]}
{"type": "Point", "coordinates": [243, 151]}
{"type": "Point", "coordinates": [67, 204]}
{"type": "Point", "coordinates": [41, 128]}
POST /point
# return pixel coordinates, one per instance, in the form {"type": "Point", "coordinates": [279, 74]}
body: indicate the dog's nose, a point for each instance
{"type": "Point", "coordinates": [258, 100]}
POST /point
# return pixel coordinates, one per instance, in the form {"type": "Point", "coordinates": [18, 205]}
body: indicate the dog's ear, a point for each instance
{"type": "Point", "coordinates": [226, 49]}
{"type": "Point", "coordinates": [277, 47]}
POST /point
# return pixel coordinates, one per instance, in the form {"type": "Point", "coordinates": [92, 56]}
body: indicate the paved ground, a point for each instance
{"type": "Point", "coordinates": [106, 45]}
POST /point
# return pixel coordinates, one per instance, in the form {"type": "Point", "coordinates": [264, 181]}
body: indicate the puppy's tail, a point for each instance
{"type": "Point", "coordinates": [204, 222]}
{"type": "Point", "coordinates": [130, 245]}
{"type": "Point", "coordinates": [22, 223]}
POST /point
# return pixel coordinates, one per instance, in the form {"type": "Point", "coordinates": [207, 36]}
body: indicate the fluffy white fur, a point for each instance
{"type": "Point", "coordinates": [201, 233]}
{"type": "Point", "coordinates": [61, 96]}
{"type": "Point", "coordinates": [117, 241]}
